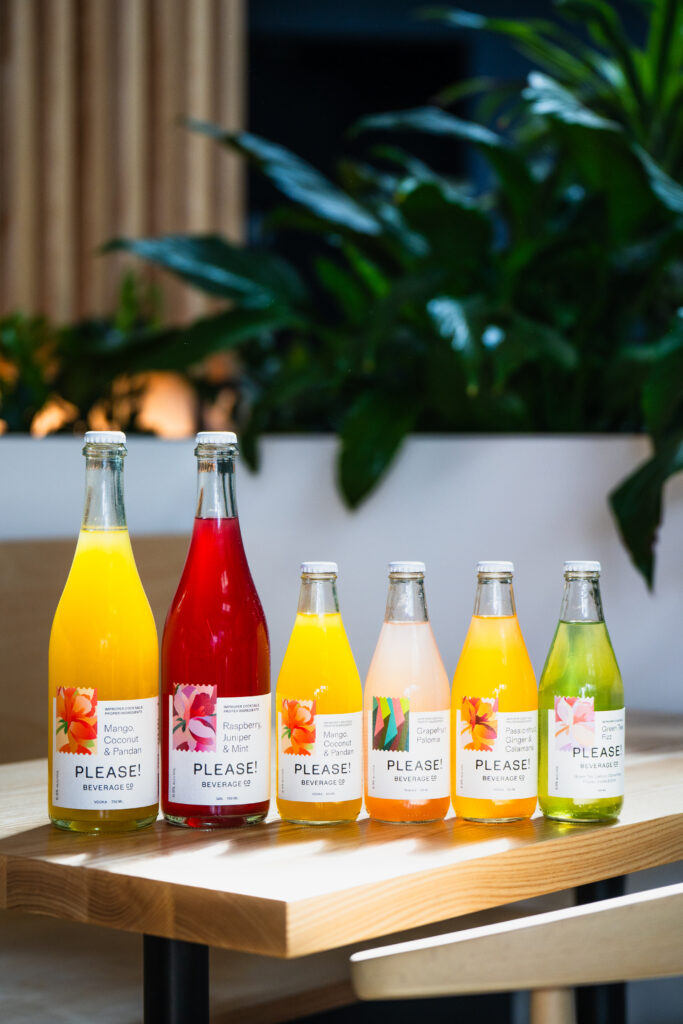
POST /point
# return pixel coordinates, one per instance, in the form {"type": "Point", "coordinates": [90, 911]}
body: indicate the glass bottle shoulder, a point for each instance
{"type": "Point", "coordinates": [581, 663]}
{"type": "Point", "coordinates": [407, 663]}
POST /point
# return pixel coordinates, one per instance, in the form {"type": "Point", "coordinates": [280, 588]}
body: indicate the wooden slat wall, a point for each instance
{"type": "Point", "coordinates": [91, 91]}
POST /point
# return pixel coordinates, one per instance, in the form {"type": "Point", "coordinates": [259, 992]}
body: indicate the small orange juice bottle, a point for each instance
{"type": "Point", "coordinates": [319, 706]}
{"type": "Point", "coordinates": [494, 709]}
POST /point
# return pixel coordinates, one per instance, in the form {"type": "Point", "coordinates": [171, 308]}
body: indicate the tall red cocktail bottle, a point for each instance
{"type": "Point", "coordinates": [215, 665]}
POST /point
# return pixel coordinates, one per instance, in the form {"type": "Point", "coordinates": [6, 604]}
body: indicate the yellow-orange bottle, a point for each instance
{"type": "Point", "coordinates": [319, 703]}
{"type": "Point", "coordinates": [494, 710]}
{"type": "Point", "coordinates": [103, 668]}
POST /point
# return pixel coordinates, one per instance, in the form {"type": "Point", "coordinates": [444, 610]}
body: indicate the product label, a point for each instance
{"type": "Point", "coordinates": [320, 756]}
{"type": "Point", "coordinates": [585, 750]}
{"type": "Point", "coordinates": [408, 751]}
{"type": "Point", "coordinates": [105, 752]}
{"type": "Point", "coordinates": [219, 747]}
{"type": "Point", "coordinates": [496, 751]}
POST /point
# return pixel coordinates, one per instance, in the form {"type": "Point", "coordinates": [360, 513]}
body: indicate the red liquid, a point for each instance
{"type": "Point", "coordinates": [215, 634]}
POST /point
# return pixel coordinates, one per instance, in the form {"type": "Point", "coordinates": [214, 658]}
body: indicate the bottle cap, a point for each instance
{"type": "Point", "coordinates": [319, 568]}
{"type": "Point", "coordinates": [216, 437]}
{"type": "Point", "coordinates": [592, 567]}
{"type": "Point", "coordinates": [503, 567]}
{"type": "Point", "coordinates": [407, 567]}
{"type": "Point", "coordinates": [104, 437]}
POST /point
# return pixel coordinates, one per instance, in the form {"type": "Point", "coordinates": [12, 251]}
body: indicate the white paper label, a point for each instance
{"type": "Point", "coordinates": [585, 750]}
{"type": "Point", "coordinates": [320, 756]}
{"type": "Point", "coordinates": [408, 751]}
{"type": "Point", "coordinates": [219, 748]}
{"type": "Point", "coordinates": [497, 751]}
{"type": "Point", "coordinates": [105, 752]}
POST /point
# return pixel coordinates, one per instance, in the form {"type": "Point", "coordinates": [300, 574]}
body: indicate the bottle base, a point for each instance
{"type": "Point", "coordinates": [311, 821]}
{"type": "Point", "coordinates": [575, 819]}
{"type": "Point", "coordinates": [102, 827]}
{"type": "Point", "coordinates": [213, 823]}
{"type": "Point", "coordinates": [494, 821]}
{"type": "Point", "coordinates": [406, 821]}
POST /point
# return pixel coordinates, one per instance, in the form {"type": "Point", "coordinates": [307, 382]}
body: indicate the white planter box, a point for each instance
{"type": "Point", "coordinates": [448, 501]}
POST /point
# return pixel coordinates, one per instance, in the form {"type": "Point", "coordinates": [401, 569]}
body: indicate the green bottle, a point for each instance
{"type": "Point", "coordinates": [581, 709]}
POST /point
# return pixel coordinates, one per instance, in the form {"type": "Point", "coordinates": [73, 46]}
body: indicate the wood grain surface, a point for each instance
{"type": "Point", "coordinates": [290, 890]}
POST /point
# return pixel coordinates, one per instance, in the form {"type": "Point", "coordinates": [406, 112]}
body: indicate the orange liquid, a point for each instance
{"type": "Point", "coordinates": [494, 665]}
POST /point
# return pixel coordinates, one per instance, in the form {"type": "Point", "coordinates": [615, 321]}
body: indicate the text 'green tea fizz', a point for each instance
{"type": "Point", "coordinates": [581, 709]}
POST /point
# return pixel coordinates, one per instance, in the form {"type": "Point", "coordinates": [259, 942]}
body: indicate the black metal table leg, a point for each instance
{"type": "Point", "coordinates": [176, 981]}
{"type": "Point", "coordinates": [601, 1004]}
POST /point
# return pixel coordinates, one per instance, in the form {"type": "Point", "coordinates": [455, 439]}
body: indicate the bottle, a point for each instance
{"type": "Point", "coordinates": [406, 710]}
{"type": "Point", "coordinates": [215, 665]}
{"type": "Point", "coordinates": [103, 668]}
{"type": "Point", "coordinates": [494, 708]}
{"type": "Point", "coordinates": [581, 702]}
{"type": "Point", "coordinates": [319, 702]}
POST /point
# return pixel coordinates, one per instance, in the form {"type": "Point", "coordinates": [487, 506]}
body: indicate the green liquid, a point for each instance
{"type": "Point", "coordinates": [581, 663]}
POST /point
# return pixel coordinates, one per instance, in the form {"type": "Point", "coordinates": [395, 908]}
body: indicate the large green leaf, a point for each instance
{"type": "Point", "coordinates": [506, 162]}
{"type": "Point", "coordinates": [637, 503]}
{"type": "Point", "coordinates": [457, 323]}
{"type": "Point", "coordinates": [457, 232]}
{"type": "Point", "coordinates": [371, 435]}
{"type": "Point", "coordinates": [527, 341]}
{"type": "Point", "coordinates": [663, 388]}
{"type": "Point", "coordinates": [296, 179]}
{"type": "Point", "coordinates": [541, 41]}
{"type": "Point", "coordinates": [256, 278]}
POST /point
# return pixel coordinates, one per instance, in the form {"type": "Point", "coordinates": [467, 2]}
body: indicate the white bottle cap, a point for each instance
{"type": "Point", "coordinates": [216, 437]}
{"type": "Point", "coordinates": [582, 567]}
{"type": "Point", "coordinates": [104, 437]}
{"type": "Point", "coordinates": [319, 568]}
{"type": "Point", "coordinates": [408, 567]}
{"type": "Point", "coordinates": [503, 567]}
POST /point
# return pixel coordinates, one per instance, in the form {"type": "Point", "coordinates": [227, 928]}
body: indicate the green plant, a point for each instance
{"type": "Point", "coordinates": [545, 301]}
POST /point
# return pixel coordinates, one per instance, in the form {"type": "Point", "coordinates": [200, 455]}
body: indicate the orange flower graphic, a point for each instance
{"type": "Point", "coordinates": [298, 726]}
{"type": "Point", "coordinates": [77, 719]}
{"type": "Point", "coordinates": [479, 720]}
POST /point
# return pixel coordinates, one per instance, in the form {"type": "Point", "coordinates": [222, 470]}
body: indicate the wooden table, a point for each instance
{"type": "Point", "coordinates": [289, 890]}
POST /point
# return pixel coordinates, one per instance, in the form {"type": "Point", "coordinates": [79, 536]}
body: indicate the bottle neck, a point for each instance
{"type": "Point", "coordinates": [406, 600]}
{"type": "Point", "coordinates": [581, 601]}
{"type": "Point", "coordinates": [216, 495]}
{"type": "Point", "coordinates": [494, 597]}
{"type": "Point", "coordinates": [104, 508]}
{"type": "Point", "coordinates": [318, 596]}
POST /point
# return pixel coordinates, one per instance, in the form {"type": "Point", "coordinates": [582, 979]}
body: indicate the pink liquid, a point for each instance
{"type": "Point", "coordinates": [215, 635]}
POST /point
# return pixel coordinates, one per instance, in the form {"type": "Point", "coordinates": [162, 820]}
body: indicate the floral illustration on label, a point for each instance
{"type": "Point", "coordinates": [76, 724]}
{"type": "Point", "coordinates": [298, 727]}
{"type": "Point", "coordinates": [479, 721]}
{"type": "Point", "coordinates": [390, 723]}
{"type": "Point", "coordinates": [574, 722]}
{"type": "Point", "coordinates": [194, 718]}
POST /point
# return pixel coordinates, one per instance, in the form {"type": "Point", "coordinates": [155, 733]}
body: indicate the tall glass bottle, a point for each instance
{"type": "Point", "coordinates": [494, 708]}
{"type": "Point", "coordinates": [319, 702]}
{"type": "Point", "coordinates": [406, 709]}
{"type": "Point", "coordinates": [215, 665]}
{"type": "Point", "coordinates": [103, 667]}
{"type": "Point", "coordinates": [581, 709]}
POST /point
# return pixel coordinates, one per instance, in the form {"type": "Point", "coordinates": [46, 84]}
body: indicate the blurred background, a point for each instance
{"type": "Point", "coordinates": [428, 263]}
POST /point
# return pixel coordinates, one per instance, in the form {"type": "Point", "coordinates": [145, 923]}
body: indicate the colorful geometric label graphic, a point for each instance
{"type": "Point", "coordinates": [194, 718]}
{"type": "Point", "coordinates": [574, 722]}
{"type": "Point", "coordinates": [479, 722]}
{"type": "Point", "coordinates": [298, 727]}
{"type": "Point", "coordinates": [76, 721]}
{"type": "Point", "coordinates": [390, 723]}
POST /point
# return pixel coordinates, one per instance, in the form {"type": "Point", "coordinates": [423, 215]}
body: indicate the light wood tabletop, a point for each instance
{"type": "Point", "coordinates": [289, 890]}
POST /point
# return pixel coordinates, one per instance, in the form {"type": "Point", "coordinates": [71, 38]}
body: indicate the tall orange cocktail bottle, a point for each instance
{"type": "Point", "coordinates": [406, 709]}
{"type": "Point", "coordinates": [494, 711]}
{"type": "Point", "coordinates": [103, 749]}
{"type": "Point", "coordinates": [319, 702]}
